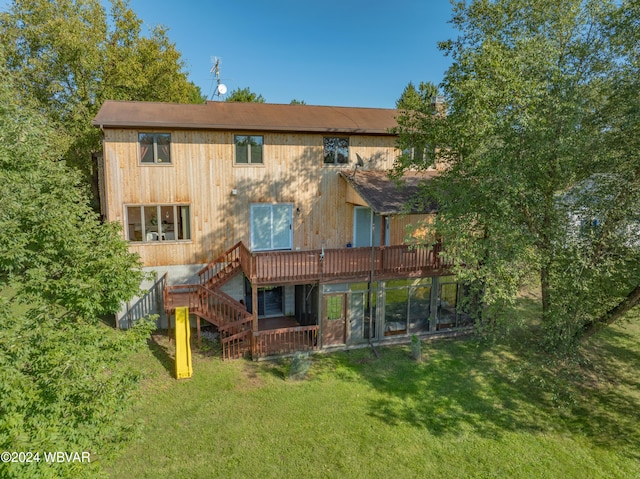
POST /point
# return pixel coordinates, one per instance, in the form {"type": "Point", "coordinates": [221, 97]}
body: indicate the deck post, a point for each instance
{"type": "Point", "coordinates": [198, 329]}
{"type": "Point", "coordinates": [435, 302]}
{"type": "Point", "coordinates": [254, 313]}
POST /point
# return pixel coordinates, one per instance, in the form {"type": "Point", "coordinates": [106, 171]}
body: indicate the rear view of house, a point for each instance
{"type": "Point", "coordinates": [277, 224]}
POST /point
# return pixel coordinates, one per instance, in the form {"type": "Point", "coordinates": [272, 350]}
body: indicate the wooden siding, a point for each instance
{"type": "Point", "coordinates": [402, 224]}
{"type": "Point", "coordinates": [202, 174]}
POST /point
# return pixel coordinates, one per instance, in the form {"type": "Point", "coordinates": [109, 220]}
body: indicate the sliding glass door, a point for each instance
{"type": "Point", "coordinates": [271, 227]}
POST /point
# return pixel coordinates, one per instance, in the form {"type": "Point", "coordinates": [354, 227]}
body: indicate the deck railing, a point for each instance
{"type": "Point", "coordinates": [235, 338]}
{"type": "Point", "coordinates": [286, 265]}
{"type": "Point", "coordinates": [221, 308]}
{"type": "Point", "coordinates": [272, 342]}
{"type": "Point", "coordinates": [317, 265]}
{"type": "Point", "coordinates": [214, 306]}
{"type": "Point", "coordinates": [331, 264]}
{"type": "Point", "coordinates": [232, 255]}
{"type": "Point", "coordinates": [181, 295]}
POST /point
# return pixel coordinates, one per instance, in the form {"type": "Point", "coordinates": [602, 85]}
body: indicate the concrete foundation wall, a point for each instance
{"type": "Point", "coordinates": [235, 287]}
{"type": "Point", "coordinates": [151, 302]}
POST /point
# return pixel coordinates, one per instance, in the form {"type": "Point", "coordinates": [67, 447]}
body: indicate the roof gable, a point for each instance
{"type": "Point", "coordinates": [386, 196]}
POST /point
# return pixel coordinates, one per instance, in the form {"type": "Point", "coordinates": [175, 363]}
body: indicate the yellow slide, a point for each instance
{"type": "Point", "coordinates": [184, 369]}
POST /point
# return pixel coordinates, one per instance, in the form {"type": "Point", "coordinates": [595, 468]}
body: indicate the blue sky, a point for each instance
{"type": "Point", "coordinates": [324, 52]}
{"type": "Point", "coordinates": [329, 52]}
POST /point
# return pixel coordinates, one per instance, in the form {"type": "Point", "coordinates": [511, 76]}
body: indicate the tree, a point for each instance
{"type": "Point", "coordinates": [69, 57]}
{"type": "Point", "coordinates": [63, 374]}
{"type": "Point", "coordinates": [297, 102]}
{"type": "Point", "coordinates": [620, 123]}
{"type": "Point", "coordinates": [421, 99]}
{"type": "Point", "coordinates": [415, 102]}
{"type": "Point", "coordinates": [245, 95]}
{"type": "Point", "coordinates": [528, 142]}
{"type": "Point", "coordinates": [52, 245]}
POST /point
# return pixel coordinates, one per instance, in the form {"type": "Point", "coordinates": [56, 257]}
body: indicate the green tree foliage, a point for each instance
{"type": "Point", "coordinates": [245, 95]}
{"type": "Point", "coordinates": [539, 148]}
{"type": "Point", "coordinates": [63, 375]}
{"type": "Point", "coordinates": [421, 99]}
{"type": "Point", "coordinates": [70, 55]}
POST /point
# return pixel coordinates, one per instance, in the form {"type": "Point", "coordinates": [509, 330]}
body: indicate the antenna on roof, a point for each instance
{"type": "Point", "coordinates": [221, 88]}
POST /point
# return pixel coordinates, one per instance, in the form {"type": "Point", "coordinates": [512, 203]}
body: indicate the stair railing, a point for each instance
{"type": "Point", "coordinates": [232, 255]}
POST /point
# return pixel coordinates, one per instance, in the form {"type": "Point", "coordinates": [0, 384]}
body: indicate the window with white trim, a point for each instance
{"type": "Point", "coordinates": [157, 223]}
{"type": "Point", "coordinates": [271, 226]}
{"type": "Point", "coordinates": [249, 149]}
{"type": "Point", "coordinates": [335, 150]}
{"type": "Point", "coordinates": [155, 148]}
{"type": "Point", "coordinates": [420, 154]}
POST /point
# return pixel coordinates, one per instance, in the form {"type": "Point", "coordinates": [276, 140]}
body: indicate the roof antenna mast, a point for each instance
{"type": "Point", "coordinates": [221, 88]}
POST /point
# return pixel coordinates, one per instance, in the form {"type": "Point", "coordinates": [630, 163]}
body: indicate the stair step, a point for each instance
{"type": "Point", "coordinates": [221, 276]}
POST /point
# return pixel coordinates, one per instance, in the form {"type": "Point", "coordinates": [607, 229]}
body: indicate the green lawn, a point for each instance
{"type": "Point", "coordinates": [469, 409]}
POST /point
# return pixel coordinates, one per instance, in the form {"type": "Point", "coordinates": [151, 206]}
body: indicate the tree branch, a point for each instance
{"type": "Point", "coordinates": [615, 313]}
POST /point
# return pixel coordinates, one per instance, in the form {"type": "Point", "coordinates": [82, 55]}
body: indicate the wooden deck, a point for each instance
{"type": "Point", "coordinates": [287, 339]}
{"type": "Point", "coordinates": [274, 336]}
{"type": "Point", "coordinates": [239, 332]}
{"type": "Point", "coordinates": [279, 322]}
{"type": "Point", "coordinates": [353, 264]}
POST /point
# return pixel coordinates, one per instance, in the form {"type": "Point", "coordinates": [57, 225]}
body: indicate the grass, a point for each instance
{"type": "Point", "coordinates": [470, 409]}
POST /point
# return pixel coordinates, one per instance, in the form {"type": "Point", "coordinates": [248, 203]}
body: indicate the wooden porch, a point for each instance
{"type": "Point", "coordinates": [283, 335]}
{"type": "Point", "coordinates": [242, 333]}
{"type": "Point", "coordinates": [234, 322]}
{"type": "Point", "coordinates": [330, 265]}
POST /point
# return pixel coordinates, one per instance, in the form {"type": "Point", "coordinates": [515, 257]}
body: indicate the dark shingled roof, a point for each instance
{"type": "Point", "coordinates": [246, 116]}
{"type": "Point", "coordinates": [385, 196]}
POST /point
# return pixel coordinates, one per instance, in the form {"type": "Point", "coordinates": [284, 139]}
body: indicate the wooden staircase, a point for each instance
{"type": "Point", "coordinates": [206, 301]}
{"type": "Point", "coordinates": [222, 269]}
{"type": "Point", "coordinates": [223, 275]}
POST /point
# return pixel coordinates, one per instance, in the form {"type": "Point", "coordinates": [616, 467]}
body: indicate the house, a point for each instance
{"type": "Point", "coordinates": [275, 224]}
{"type": "Point", "coordinates": [592, 208]}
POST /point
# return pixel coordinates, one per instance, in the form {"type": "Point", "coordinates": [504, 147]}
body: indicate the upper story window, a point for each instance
{"type": "Point", "coordinates": [419, 154]}
{"type": "Point", "coordinates": [154, 223]}
{"type": "Point", "coordinates": [249, 149]}
{"type": "Point", "coordinates": [155, 148]}
{"type": "Point", "coordinates": [336, 150]}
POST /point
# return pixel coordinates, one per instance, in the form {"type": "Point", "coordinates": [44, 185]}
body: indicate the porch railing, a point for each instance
{"type": "Point", "coordinates": [317, 265]}
{"type": "Point", "coordinates": [215, 267]}
{"type": "Point", "coordinates": [235, 338]}
{"type": "Point", "coordinates": [214, 306]}
{"type": "Point", "coordinates": [149, 303]}
{"type": "Point", "coordinates": [330, 264]}
{"type": "Point", "coordinates": [285, 340]}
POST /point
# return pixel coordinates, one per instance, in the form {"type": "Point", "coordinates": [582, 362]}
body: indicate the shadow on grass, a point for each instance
{"type": "Point", "coordinates": [473, 386]}
{"type": "Point", "coordinates": [455, 389]}
{"type": "Point", "coordinates": [164, 350]}
{"type": "Point", "coordinates": [609, 409]}
{"type": "Point", "coordinates": [161, 350]}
